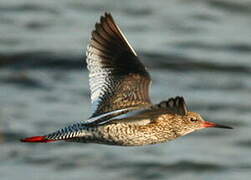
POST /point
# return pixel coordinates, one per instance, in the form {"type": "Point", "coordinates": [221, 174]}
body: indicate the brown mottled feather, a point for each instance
{"type": "Point", "coordinates": [117, 77]}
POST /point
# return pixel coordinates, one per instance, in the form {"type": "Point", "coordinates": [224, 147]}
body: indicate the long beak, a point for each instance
{"type": "Point", "coordinates": [207, 124]}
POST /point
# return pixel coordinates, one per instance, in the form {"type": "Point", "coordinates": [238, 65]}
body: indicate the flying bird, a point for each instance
{"type": "Point", "coordinates": [123, 113]}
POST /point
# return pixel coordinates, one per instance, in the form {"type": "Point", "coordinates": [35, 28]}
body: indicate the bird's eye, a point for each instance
{"type": "Point", "coordinates": [192, 119]}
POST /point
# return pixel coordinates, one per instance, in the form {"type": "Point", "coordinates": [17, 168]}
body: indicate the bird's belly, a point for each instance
{"type": "Point", "coordinates": [129, 135]}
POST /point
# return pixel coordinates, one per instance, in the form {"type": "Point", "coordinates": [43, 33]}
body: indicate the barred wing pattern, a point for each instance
{"type": "Point", "coordinates": [117, 78]}
{"type": "Point", "coordinates": [175, 105]}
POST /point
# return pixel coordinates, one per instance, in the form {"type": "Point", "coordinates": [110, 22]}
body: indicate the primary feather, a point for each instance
{"type": "Point", "coordinates": [118, 79]}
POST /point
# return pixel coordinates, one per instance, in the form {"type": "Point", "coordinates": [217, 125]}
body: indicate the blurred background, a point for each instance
{"type": "Point", "coordinates": [200, 49]}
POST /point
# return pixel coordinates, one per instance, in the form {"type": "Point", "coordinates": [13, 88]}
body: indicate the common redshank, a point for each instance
{"type": "Point", "coordinates": [122, 110]}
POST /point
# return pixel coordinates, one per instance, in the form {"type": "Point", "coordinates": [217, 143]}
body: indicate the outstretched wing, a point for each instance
{"type": "Point", "coordinates": [117, 78]}
{"type": "Point", "coordinates": [145, 115]}
{"type": "Point", "coordinates": [175, 105]}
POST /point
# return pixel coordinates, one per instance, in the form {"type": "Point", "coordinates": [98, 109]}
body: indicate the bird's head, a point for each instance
{"type": "Point", "coordinates": [193, 121]}
{"type": "Point", "coordinates": [184, 121]}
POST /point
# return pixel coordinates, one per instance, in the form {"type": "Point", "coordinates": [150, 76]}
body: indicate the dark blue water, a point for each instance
{"type": "Point", "coordinates": [198, 49]}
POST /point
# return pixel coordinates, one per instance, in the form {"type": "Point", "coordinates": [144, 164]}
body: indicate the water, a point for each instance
{"type": "Point", "coordinates": [198, 49]}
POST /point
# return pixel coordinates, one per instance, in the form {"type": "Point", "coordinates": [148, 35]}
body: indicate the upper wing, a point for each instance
{"type": "Point", "coordinates": [118, 80]}
{"type": "Point", "coordinates": [143, 116]}
{"type": "Point", "coordinates": [175, 105]}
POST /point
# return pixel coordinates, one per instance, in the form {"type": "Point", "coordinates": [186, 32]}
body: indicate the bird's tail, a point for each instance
{"type": "Point", "coordinates": [67, 133]}
{"type": "Point", "coordinates": [37, 139]}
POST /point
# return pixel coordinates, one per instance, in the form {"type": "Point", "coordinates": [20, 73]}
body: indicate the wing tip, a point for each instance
{"type": "Point", "coordinates": [182, 104]}
{"type": "Point", "coordinates": [176, 105]}
{"type": "Point", "coordinates": [36, 139]}
{"type": "Point", "coordinates": [106, 16]}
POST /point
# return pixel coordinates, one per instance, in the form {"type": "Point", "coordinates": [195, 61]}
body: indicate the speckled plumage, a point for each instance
{"type": "Point", "coordinates": [132, 131]}
{"type": "Point", "coordinates": [122, 110]}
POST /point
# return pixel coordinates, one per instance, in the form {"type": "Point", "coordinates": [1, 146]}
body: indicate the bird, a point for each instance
{"type": "Point", "coordinates": [122, 111]}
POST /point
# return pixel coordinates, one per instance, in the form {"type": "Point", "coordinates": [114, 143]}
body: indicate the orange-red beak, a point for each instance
{"type": "Point", "coordinates": [207, 124]}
